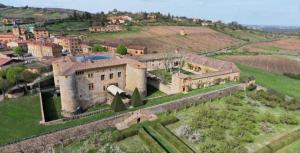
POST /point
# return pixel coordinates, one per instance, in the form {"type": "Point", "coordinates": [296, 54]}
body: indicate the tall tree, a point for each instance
{"type": "Point", "coordinates": [13, 74]}
{"type": "Point", "coordinates": [19, 51]}
{"type": "Point", "coordinates": [117, 104]}
{"type": "Point", "coordinates": [4, 85]}
{"type": "Point", "coordinates": [121, 49]}
{"type": "Point", "coordinates": [136, 99]}
{"type": "Point", "coordinates": [27, 77]}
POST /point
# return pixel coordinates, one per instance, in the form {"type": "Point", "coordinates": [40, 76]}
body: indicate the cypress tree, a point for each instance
{"type": "Point", "coordinates": [117, 104]}
{"type": "Point", "coordinates": [136, 100]}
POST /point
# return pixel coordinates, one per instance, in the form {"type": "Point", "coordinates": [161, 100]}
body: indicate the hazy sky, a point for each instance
{"type": "Point", "coordinates": [259, 12]}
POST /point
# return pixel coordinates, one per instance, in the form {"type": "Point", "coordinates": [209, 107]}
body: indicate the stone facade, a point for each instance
{"type": "Point", "coordinates": [108, 28]}
{"type": "Point", "coordinates": [44, 49]}
{"type": "Point", "coordinates": [40, 33]}
{"type": "Point", "coordinates": [83, 84]}
{"type": "Point", "coordinates": [7, 37]}
{"type": "Point", "coordinates": [69, 43]}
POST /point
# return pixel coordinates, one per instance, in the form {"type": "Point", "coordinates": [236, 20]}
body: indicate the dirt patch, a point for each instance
{"type": "Point", "coordinates": [167, 38]}
{"type": "Point", "coordinates": [268, 63]}
{"type": "Point", "coordinates": [287, 46]}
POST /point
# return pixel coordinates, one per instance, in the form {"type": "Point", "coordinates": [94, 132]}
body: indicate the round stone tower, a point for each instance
{"type": "Point", "coordinates": [136, 78]}
{"type": "Point", "coordinates": [69, 104]}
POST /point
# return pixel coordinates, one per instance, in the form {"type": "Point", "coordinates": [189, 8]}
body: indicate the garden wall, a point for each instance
{"type": "Point", "coordinates": [160, 86]}
{"type": "Point", "coordinates": [40, 143]}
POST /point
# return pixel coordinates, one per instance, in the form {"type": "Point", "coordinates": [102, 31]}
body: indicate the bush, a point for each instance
{"type": "Point", "coordinates": [270, 118]}
{"type": "Point", "coordinates": [136, 100]}
{"type": "Point", "coordinates": [121, 49]}
{"type": "Point", "coordinates": [168, 120]}
{"type": "Point", "coordinates": [291, 105]}
{"type": "Point", "coordinates": [123, 134]}
{"type": "Point", "coordinates": [233, 101]}
{"type": "Point", "coordinates": [292, 75]}
{"type": "Point", "coordinates": [117, 104]}
{"type": "Point", "coordinates": [288, 119]}
{"type": "Point", "coordinates": [156, 148]}
{"type": "Point", "coordinates": [98, 48]}
{"type": "Point", "coordinates": [252, 87]}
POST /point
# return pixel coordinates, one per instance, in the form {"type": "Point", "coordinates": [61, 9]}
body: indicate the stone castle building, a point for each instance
{"type": "Point", "coordinates": [84, 81]}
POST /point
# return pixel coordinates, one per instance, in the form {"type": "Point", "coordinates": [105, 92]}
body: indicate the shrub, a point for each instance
{"type": "Point", "coordinates": [211, 146]}
{"type": "Point", "coordinates": [270, 118]}
{"type": "Point", "coordinates": [288, 119]}
{"type": "Point", "coordinates": [291, 105]}
{"type": "Point", "coordinates": [156, 148]}
{"type": "Point", "coordinates": [252, 87]}
{"type": "Point", "coordinates": [117, 104]}
{"type": "Point", "coordinates": [121, 49]}
{"type": "Point", "coordinates": [123, 134]}
{"type": "Point", "coordinates": [233, 101]}
{"type": "Point", "coordinates": [168, 120]}
{"type": "Point", "coordinates": [98, 48]}
{"type": "Point", "coordinates": [292, 75]}
{"type": "Point", "coordinates": [136, 100]}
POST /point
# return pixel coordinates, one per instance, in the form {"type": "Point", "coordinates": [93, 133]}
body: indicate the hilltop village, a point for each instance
{"type": "Point", "coordinates": [145, 82]}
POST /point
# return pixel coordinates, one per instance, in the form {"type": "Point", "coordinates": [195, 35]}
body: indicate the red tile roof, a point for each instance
{"type": "Point", "coordinates": [4, 61]}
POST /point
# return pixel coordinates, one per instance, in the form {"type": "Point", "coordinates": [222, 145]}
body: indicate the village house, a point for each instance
{"type": "Point", "coordinates": [7, 54]}
{"type": "Point", "coordinates": [7, 37]}
{"type": "Point", "coordinates": [86, 81]}
{"type": "Point", "coordinates": [119, 19]}
{"type": "Point", "coordinates": [20, 32]}
{"type": "Point", "coordinates": [69, 43]}
{"type": "Point", "coordinates": [86, 48]}
{"type": "Point", "coordinates": [8, 62]}
{"type": "Point", "coordinates": [107, 28]}
{"type": "Point", "coordinates": [17, 43]}
{"type": "Point", "coordinates": [42, 49]}
{"type": "Point", "coordinates": [136, 50]}
{"type": "Point", "coordinates": [131, 49]}
{"type": "Point", "coordinates": [40, 33]}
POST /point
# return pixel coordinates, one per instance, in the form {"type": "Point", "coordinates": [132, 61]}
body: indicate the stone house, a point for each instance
{"type": "Point", "coordinates": [107, 28]}
{"type": "Point", "coordinates": [41, 49]}
{"type": "Point", "coordinates": [131, 49]}
{"type": "Point", "coordinates": [69, 43]}
{"type": "Point", "coordinates": [40, 33]}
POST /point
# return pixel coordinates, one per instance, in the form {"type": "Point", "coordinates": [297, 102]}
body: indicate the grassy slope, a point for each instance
{"type": "Point", "coordinates": [292, 148]}
{"type": "Point", "coordinates": [273, 81]}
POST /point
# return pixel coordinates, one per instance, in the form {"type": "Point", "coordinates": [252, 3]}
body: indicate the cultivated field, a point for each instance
{"type": "Point", "coordinates": [268, 63]}
{"type": "Point", "coordinates": [167, 38]}
{"type": "Point", "coordinates": [284, 46]}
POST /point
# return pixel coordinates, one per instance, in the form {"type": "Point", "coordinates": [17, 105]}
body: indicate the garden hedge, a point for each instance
{"type": "Point", "coordinates": [155, 147]}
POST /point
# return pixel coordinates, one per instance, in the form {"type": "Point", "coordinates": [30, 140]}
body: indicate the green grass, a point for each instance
{"type": "Point", "coordinates": [153, 92]}
{"type": "Point", "coordinates": [133, 144]}
{"type": "Point", "coordinates": [292, 148]}
{"type": "Point", "coordinates": [167, 76]}
{"type": "Point", "coordinates": [20, 118]}
{"type": "Point", "coordinates": [132, 30]}
{"type": "Point", "coordinates": [271, 48]}
{"type": "Point", "coordinates": [274, 81]}
{"type": "Point", "coordinates": [52, 107]}
{"type": "Point", "coordinates": [70, 27]}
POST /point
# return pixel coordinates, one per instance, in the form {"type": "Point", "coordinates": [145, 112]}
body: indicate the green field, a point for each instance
{"type": "Point", "coordinates": [70, 27]}
{"type": "Point", "coordinates": [292, 148]}
{"type": "Point", "coordinates": [273, 81]}
{"type": "Point", "coordinates": [271, 48]}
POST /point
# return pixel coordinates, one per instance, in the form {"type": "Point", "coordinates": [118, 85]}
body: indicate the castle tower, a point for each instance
{"type": "Point", "coordinates": [136, 78]}
{"type": "Point", "coordinates": [69, 104]}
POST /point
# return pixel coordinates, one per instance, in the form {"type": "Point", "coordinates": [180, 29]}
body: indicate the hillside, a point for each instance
{"type": "Point", "coordinates": [167, 38]}
{"type": "Point", "coordinates": [39, 14]}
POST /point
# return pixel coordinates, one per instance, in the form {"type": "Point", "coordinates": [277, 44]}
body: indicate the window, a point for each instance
{"type": "Point", "coordinates": [79, 72]}
{"type": "Point", "coordinates": [102, 77]}
{"type": "Point", "coordinates": [91, 86]}
{"type": "Point", "coordinates": [104, 88]}
{"type": "Point", "coordinates": [119, 74]}
{"type": "Point", "coordinates": [111, 76]}
{"type": "Point", "coordinates": [90, 75]}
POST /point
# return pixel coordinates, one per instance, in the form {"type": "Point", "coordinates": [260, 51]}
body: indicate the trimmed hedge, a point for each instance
{"type": "Point", "coordinates": [280, 142]}
{"type": "Point", "coordinates": [168, 120]}
{"type": "Point", "coordinates": [155, 147]}
{"type": "Point", "coordinates": [174, 140]}
{"type": "Point", "coordinates": [123, 134]}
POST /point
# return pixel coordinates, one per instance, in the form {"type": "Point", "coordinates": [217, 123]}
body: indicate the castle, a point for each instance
{"type": "Point", "coordinates": [87, 80]}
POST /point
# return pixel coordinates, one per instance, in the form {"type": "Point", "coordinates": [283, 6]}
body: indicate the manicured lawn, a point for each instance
{"type": "Point", "coordinates": [292, 148]}
{"type": "Point", "coordinates": [273, 81]}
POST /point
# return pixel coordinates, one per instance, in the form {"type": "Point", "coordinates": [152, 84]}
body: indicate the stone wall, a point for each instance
{"type": "Point", "coordinates": [37, 144]}
{"type": "Point", "coordinates": [160, 86]}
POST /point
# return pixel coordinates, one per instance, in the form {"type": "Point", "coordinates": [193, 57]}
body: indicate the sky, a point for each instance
{"type": "Point", "coordinates": [249, 12]}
